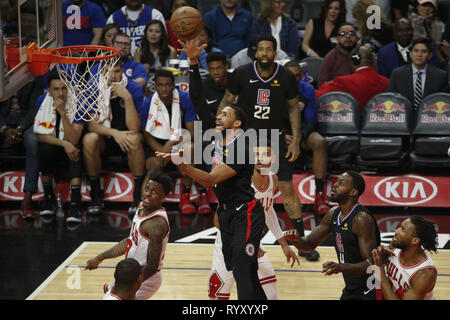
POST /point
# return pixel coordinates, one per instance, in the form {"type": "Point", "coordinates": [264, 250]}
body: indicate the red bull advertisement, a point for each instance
{"type": "Point", "coordinates": [390, 111]}
{"type": "Point", "coordinates": [438, 112]}
{"type": "Point", "coordinates": [335, 111]}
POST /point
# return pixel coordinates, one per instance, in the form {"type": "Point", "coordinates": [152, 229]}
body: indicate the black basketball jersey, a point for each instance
{"type": "Point", "coordinates": [236, 155]}
{"type": "Point", "coordinates": [264, 100]}
{"type": "Point", "coordinates": [347, 246]}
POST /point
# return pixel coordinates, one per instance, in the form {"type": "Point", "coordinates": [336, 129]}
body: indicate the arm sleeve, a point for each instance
{"type": "Point", "coordinates": [233, 85]}
{"type": "Point", "coordinates": [198, 98]}
{"type": "Point", "coordinates": [272, 223]}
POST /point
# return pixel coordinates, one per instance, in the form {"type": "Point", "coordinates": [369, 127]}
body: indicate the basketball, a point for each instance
{"type": "Point", "coordinates": [186, 23]}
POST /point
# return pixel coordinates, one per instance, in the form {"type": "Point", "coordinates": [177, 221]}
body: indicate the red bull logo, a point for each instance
{"type": "Point", "coordinates": [340, 112]}
{"type": "Point", "coordinates": [157, 123]}
{"type": "Point", "coordinates": [336, 106]}
{"type": "Point", "coordinates": [389, 107]}
{"type": "Point", "coordinates": [436, 113]}
{"type": "Point", "coordinates": [47, 125]}
{"type": "Point", "coordinates": [439, 107]}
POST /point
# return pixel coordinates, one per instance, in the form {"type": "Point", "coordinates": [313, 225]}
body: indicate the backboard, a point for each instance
{"type": "Point", "coordinates": [23, 22]}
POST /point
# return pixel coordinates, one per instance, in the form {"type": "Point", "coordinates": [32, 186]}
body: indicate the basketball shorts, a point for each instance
{"type": "Point", "coordinates": [285, 168]}
{"type": "Point", "coordinates": [221, 280]}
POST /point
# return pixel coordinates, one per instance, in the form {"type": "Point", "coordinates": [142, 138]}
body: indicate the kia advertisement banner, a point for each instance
{"type": "Point", "coordinates": [410, 190]}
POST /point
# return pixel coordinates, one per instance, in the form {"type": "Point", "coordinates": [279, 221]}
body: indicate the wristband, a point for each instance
{"type": "Point", "coordinates": [308, 53]}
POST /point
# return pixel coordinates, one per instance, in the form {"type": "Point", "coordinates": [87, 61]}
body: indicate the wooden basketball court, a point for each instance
{"type": "Point", "coordinates": [186, 271]}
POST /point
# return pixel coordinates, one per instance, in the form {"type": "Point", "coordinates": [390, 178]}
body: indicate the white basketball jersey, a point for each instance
{"type": "Point", "coordinates": [110, 296]}
{"type": "Point", "coordinates": [137, 243]}
{"type": "Point", "coordinates": [265, 196]}
{"type": "Point", "coordinates": [400, 276]}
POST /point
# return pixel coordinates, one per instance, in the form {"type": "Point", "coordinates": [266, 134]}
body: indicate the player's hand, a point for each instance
{"type": "Point", "coordinates": [60, 105]}
{"type": "Point", "coordinates": [124, 140]}
{"type": "Point", "coordinates": [191, 49]}
{"type": "Point", "coordinates": [176, 157]}
{"type": "Point", "coordinates": [293, 151]}
{"type": "Point", "coordinates": [93, 263]}
{"type": "Point", "coordinates": [290, 255]}
{"type": "Point", "coordinates": [261, 252]}
{"type": "Point", "coordinates": [120, 91]}
{"type": "Point", "coordinates": [331, 267]}
{"type": "Point", "coordinates": [72, 152]}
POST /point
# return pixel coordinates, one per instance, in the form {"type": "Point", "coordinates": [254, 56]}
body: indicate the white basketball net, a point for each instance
{"type": "Point", "coordinates": [87, 83]}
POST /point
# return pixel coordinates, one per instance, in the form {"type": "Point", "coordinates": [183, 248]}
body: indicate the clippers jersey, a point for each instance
{"type": "Point", "coordinates": [264, 100]}
{"type": "Point", "coordinates": [347, 246]}
{"type": "Point", "coordinates": [400, 276]}
{"type": "Point", "coordinates": [137, 243]}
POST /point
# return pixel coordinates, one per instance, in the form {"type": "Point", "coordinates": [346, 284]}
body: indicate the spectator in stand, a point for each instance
{"type": "Point", "coordinates": [396, 53]}
{"type": "Point", "coordinates": [320, 33]}
{"type": "Point", "coordinates": [417, 80]}
{"type": "Point", "coordinates": [372, 37]}
{"type": "Point", "coordinates": [311, 139]}
{"type": "Point", "coordinates": [16, 125]}
{"type": "Point", "coordinates": [134, 70]}
{"type": "Point", "coordinates": [132, 19]}
{"type": "Point", "coordinates": [83, 22]}
{"type": "Point", "coordinates": [108, 34]}
{"type": "Point", "coordinates": [363, 84]}
{"type": "Point", "coordinates": [230, 26]}
{"type": "Point", "coordinates": [273, 20]}
{"type": "Point", "coordinates": [173, 40]}
{"type": "Point", "coordinates": [337, 61]}
{"type": "Point", "coordinates": [205, 37]}
{"type": "Point", "coordinates": [154, 52]}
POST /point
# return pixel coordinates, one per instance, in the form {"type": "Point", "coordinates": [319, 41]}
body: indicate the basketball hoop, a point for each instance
{"type": "Point", "coordinates": [85, 70]}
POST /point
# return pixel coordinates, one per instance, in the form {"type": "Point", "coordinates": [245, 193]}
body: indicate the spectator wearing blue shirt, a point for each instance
{"type": "Point", "coordinates": [163, 115]}
{"type": "Point", "coordinates": [312, 140]}
{"type": "Point", "coordinates": [273, 20]}
{"type": "Point", "coordinates": [132, 19]}
{"type": "Point", "coordinates": [133, 70]}
{"type": "Point", "coordinates": [116, 134]}
{"type": "Point", "coordinates": [230, 26]}
{"type": "Point", "coordinates": [83, 22]}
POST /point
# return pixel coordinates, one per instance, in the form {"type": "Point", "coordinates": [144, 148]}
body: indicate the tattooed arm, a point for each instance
{"type": "Point", "coordinates": [155, 229]}
{"type": "Point", "coordinates": [117, 250]}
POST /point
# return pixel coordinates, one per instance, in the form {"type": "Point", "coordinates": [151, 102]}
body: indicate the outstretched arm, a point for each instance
{"type": "Point", "coordinates": [155, 229]}
{"type": "Point", "coordinates": [116, 251]}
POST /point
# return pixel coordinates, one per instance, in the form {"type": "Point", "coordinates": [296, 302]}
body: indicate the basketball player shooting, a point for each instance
{"type": "Point", "coordinates": [148, 237]}
{"type": "Point", "coordinates": [355, 233]}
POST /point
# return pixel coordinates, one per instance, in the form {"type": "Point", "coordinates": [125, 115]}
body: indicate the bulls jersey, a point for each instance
{"type": "Point", "coordinates": [264, 100]}
{"type": "Point", "coordinates": [347, 246]}
{"type": "Point", "coordinates": [400, 276]}
{"type": "Point", "coordinates": [137, 243]}
{"type": "Point", "coordinates": [265, 196]}
{"type": "Point", "coordinates": [110, 296]}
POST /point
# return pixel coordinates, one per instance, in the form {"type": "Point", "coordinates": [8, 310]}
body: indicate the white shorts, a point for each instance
{"type": "Point", "coordinates": [221, 280]}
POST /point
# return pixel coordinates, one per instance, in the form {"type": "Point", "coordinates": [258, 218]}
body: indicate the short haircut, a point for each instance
{"type": "Point", "coordinates": [266, 37]}
{"type": "Point", "coordinates": [164, 180]}
{"type": "Point", "coordinates": [53, 75]}
{"type": "Point", "coordinates": [426, 231]}
{"type": "Point", "coordinates": [127, 273]}
{"type": "Point", "coordinates": [346, 24]}
{"type": "Point", "coordinates": [240, 114]}
{"type": "Point", "coordinates": [424, 41]}
{"type": "Point", "coordinates": [216, 56]}
{"type": "Point", "coordinates": [292, 63]}
{"type": "Point", "coordinates": [120, 34]}
{"type": "Point", "coordinates": [357, 181]}
{"type": "Point", "coordinates": [164, 74]}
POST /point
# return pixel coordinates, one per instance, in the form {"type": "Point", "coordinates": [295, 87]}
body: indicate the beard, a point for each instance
{"type": "Point", "coordinates": [349, 47]}
{"type": "Point", "coordinates": [399, 245]}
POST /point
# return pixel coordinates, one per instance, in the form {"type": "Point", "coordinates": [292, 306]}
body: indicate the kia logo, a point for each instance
{"type": "Point", "coordinates": [405, 190]}
{"type": "Point", "coordinates": [12, 182]}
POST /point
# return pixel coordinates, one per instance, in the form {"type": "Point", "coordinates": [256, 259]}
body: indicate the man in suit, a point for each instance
{"type": "Point", "coordinates": [419, 79]}
{"type": "Point", "coordinates": [363, 84]}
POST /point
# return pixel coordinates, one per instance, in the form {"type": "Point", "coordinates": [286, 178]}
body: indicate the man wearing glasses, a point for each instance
{"type": "Point", "coordinates": [133, 70]}
{"type": "Point", "coordinates": [337, 61]}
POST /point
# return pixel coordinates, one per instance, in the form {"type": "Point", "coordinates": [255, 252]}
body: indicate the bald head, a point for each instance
{"type": "Point", "coordinates": [365, 55]}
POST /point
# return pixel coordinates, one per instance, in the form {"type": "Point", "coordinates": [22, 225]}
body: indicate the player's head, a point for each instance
{"type": "Point", "coordinates": [128, 275]}
{"type": "Point", "coordinates": [164, 85]}
{"type": "Point", "coordinates": [122, 42]}
{"type": "Point", "coordinates": [57, 89]}
{"type": "Point", "coordinates": [415, 232]}
{"type": "Point", "coordinates": [346, 37]}
{"type": "Point", "coordinates": [231, 117]}
{"type": "Point", "coordinates": [116, 73]}
{"type": "Point", "coordinates": [294, 67]}
{"type": "Point", "coordinates": [263, 158]}
{"type": "Point", "coordinates": [266, 50]}
{"type": "Point", "coordinates": [349, 185]}
{"type": "Point", "coordinates": [156, 189]}
{"type": "Point", "coordinates": [217, 67]}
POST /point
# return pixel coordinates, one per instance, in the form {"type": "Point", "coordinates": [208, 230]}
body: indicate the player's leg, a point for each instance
{"type": "Point", "coordinates": [317, 144]}
{"type": "Point", "coordinates": [93, 147]}
{"type": "Point", "coordinates": [220, 279]}
{"type": "Point", "coordinates": [267, 278]}
{"type": "Point", "coordinates": [46, 166]}
{"type": "Point", "coordinates": [136, 163]}
{"type": "Point", "coordinates": [31, 143]}
{"type": "Point", "coordinates": [75, 171]}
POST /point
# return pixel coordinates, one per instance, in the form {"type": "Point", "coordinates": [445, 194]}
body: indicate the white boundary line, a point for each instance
{"type": "Point", "coordinates": [57, 271]}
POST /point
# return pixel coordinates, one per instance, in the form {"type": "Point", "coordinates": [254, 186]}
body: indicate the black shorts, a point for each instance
{"type": "Point", "coordinates": [285, 168]}
{"type": "Point", "coordinates": [112, 149]}
{"type": "Point", "coordinates": [359, 294]}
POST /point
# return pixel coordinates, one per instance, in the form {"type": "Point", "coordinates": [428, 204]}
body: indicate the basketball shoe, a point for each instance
{"type": "Point", "coordinates": [203, 204]}
{"type": "Point", "coordinates": [74, 214]}
{"type": "Point", "coordinates": [96, 204]}
{"type": "Point", "coordinates": [48, 205]}
{"type": "Point", "coordinates": [186, 206]}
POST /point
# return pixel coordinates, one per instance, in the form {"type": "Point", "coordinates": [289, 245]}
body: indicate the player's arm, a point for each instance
{"type": "Point", "coordinates": [155, 229]}
{"type": "Point", "coordinates": [228, 99]}
{"type": "Point", "coordinates": [295, 121]}
{"type": "Point", "coordinates": [422, 283]}
{"type": "Point", "coordinates": [364, 228]}
{"type": "Point", "coordinates": [316, 237]}
{"type": "Point", "coordinates": [123, 138]}
{"type": "Point", "coordinates": [115, 251]}
{"type": "Point", "coordinates": [97, 36]}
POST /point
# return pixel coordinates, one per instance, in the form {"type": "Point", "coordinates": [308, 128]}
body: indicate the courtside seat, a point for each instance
{"type": "Point", "coordinates": [431, 135]}
{"type": "Point", "coordinates": [314, 64]}
{"type": "Point", "coordinates": [338, 120]}
{"type": "Point", "coordinates": [385, 132]}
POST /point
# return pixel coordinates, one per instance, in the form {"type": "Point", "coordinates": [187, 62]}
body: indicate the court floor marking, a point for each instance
{"type": "Point", "coordinates": [66, 264]}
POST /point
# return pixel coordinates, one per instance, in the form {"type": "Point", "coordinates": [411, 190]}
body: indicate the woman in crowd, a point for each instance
{"type": "Point", "coordinates": [108, 33]}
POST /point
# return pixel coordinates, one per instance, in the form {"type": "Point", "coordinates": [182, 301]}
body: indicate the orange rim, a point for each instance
{"type": "Point", "coordinates": [58, 54]}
